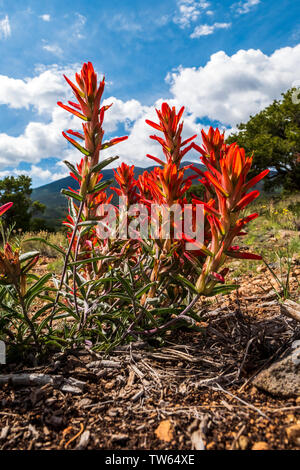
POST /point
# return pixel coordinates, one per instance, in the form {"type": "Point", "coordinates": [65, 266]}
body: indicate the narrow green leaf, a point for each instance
{"type": "Point", "coordinates": [68, 193]}
{"type": "Point", "coordinates": [223, 289]}
{"type": "Point", "coordinates": [103, 164]}
{"type": "Point", "coordinates": [186, 282]}
{"type": "Point", "coordinates": [102, 186]}
{"type": "Point", "coordinates": [73, 169]}
{"type": "Point", "coordinates": [91, 260]}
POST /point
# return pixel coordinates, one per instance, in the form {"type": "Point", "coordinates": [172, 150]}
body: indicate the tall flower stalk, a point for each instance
{"type": "Point", "coordinates": [227, 195]}
{"type": "Point", "coordinates": [88, 94]}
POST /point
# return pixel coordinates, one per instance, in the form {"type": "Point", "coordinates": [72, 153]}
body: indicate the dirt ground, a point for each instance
{"type": "Point", "coordinates": [195, 392]}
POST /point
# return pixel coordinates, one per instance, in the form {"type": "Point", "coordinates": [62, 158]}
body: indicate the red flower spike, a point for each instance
{"type": "Point", "coordinates": [157, 160]}
{"type": "Point", "coordinates": [169, 124]}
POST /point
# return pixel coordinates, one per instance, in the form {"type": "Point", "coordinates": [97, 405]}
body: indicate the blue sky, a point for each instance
{"type": "Point", "coordinates": [222, 60]}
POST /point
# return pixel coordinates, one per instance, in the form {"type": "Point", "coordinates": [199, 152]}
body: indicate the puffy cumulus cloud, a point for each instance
{"type": "Point", "coordinates": [40, 92]}
{"type": "Point", "coordinates": [39, 140]}
{"type": "Point", "coordinates": [125, 112]}
{"type": "Point", "coordinates": [5, 30]}
{"type": "Point", "coordinates": [231, 88]}
{"type": "Point", "coordinates": [206, 30]}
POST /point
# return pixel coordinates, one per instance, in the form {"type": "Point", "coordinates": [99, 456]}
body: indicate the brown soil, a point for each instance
{"type": "Point", "coordinates": [194, 392]}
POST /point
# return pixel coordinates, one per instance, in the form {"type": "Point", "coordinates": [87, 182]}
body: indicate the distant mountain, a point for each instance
{"type": "Point", "coordinates": [56, 204]}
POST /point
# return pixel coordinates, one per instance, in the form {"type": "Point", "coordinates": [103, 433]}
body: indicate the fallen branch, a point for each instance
{"type": "Point", "coordinates": [290, 309]}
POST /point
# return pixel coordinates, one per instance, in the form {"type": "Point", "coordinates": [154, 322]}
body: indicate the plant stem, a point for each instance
{"type": "Point", "coordinates": [169, 323]}
{"type": "Point", "coordinates": [67, 259]}
{"type": "Point", "coordinates": [27, 319]}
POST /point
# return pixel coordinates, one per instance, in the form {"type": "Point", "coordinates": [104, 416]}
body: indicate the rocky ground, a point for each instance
{"type": "Point", "coordinates": [199, 391]}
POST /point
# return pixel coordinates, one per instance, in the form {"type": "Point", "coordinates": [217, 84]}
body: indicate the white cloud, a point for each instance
{"type": "Point", "coordinates": [231, 88]}
{"type": "Point", "coordinates": [53, 48]}
{"type": "Point", "coordinates": [206, 30]}
{"type": "Point", "coordinates": [5, 30]}
{"type": "Point", "coordinates": [189, 11]}
{"type": "Point", "coordinates": [40, 92]}
{"type": "Point", "coordinates": [244, 7]}
{"type": "Point", "coordinates": [37, 173]}
{"type": "Point", "coordinates": [45, 17]}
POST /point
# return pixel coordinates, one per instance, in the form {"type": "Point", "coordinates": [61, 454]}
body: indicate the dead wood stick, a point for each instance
{"type": "Point", "coordinates": [248, 405]}
{"type": "Point", "coordinates": [290, 309]}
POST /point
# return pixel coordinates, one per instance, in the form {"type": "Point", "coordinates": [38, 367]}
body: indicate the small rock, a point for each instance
{"type": "Point", "coordinates": [84, 440]}
{"type": "Point", "coordinates": [282, 378]}
{"type": "Point", "coordinates": [260, 446]}
{"type": "Point", "coordinates": [4, 432]}
{"type": "Point", "coordinates": [197, 441]}
{"type": "Point", "coordinates": [112, 412]}
{"type": "Point", "coordinates": [72, 385]}
{"type": "Point", "coordinates": [293, 433]}
{"type": "Point", "coordinates": [164, 431]}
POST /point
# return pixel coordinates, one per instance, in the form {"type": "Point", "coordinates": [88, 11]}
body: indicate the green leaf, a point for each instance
{"type": "Point", "coordinates": [73, 169]}
{"type": "Point", "coordinates": [72, 210]}
{"type": "Point", "coordinates": [186, 282]}
{"type": "Point", "coordinates": [36, 288]}
{"type": "Point", "coordinates": [102, 186]}
{"type": "Point", "coordinates": [41, 311]}
{"type": "Point", "coordinates": [68, 193]}
{"type": "Point", "coordinates": [103, 164]}
{"type": "Point", "coordinates": [126, 285]}
{"type": "Point", "coordinates": [143, 290]}
{"type": "Point", "coordinates": [91, 260]}
{"type": "Point", "coordinates": [223, 289]}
